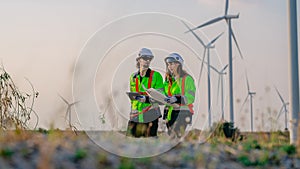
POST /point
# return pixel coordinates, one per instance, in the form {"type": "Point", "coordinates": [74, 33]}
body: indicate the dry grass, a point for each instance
{"type": "Point", "coordinates": [60, 149]}
{"type": "Point", "coordinates": [15, 106]}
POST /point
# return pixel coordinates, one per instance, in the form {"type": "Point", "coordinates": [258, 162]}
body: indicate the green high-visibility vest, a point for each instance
{"type": "Point", "coordinates": [184, 87]}
{"type": "Point", "coordinates": [152, 79]}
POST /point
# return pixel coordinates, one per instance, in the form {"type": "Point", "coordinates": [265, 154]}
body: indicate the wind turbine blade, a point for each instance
{"type": "Point", "coordinates": [197, 37]}
{"type": "Point", "coordinates": [209, 22]}
{"type": "Point", "coordinates": [279, 113]}
{"type": "Point", "coordinates": [226, 7]}
{"type": "Point", "coordinates": [66, 115]}
{"type": "Point", "coordinates": [236, 43]}
{"type": "Point", "coordinates": [215, 39]}
{"type": "Point", "coordinates": [74, 103]}
{"type": "Point", "coordinates": [243, 104]}
{"type": "Point", "coordinates": [216, 70]}
{"type": "Point", "coordinates": [63, 99]}
{"type": "Point", "coordinates": [248, 87]}
{"type": "Point", "coordinates": [224, 68]}
{"type": "Point", "coordinates": [201, 66]}
{"type": "Point", "coordinates": [279, 95]}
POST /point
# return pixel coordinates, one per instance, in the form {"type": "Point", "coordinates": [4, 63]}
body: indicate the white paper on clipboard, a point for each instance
{"type": "Point", "coordinates": [157, 96]}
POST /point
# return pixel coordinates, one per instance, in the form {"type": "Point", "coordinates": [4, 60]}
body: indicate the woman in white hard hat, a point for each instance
{"type": "Point", "coordinates": [180, 89]}
{"type": "Point", "coordinates": [144, 114]}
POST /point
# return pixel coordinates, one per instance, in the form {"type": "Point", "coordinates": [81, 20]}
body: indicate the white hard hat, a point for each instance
{"type": "Point", "coordinates": [174, 57]}
{"type": "Point", "coordinates": [144, 52]}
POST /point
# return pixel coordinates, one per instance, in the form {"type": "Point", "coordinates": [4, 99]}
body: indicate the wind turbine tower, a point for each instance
{"type": "Point", "coordinates": [221, 73]}
{"type": "Point", "coordinates": [227, 17]}
{"type": "Point", "coordinates": [293, 70]}
{"type": "Point", "coordinates": [250, 94]}
{"type": "Point", "coordinates": [207, 48]}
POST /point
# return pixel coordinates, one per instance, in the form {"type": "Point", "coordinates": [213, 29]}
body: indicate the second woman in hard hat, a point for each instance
{"type": "Point", "coordinates": [180, 89]}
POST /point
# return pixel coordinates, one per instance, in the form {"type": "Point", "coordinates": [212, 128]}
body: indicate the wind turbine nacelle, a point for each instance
{"type": "Point", "coordinates": [211, 46]}
{"type": "Point", "coordinates": [232, 16]}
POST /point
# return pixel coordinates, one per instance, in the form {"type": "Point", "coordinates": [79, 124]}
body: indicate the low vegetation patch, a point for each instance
{"type": "Point", "coordinates": [15, 106]}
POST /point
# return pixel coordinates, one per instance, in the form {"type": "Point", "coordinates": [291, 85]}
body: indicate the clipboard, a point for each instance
{"type": "Point", "coordinates": [159, 97]}
{"type": "Point", "coordinates": [132, 95]}
{"type": "Point", "coordinates": [154, 94]}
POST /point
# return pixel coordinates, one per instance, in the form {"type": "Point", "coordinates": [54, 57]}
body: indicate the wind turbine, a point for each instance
{"type": "Point", "coordinates": [283, 108]}
{"type": "Point", "coordinates": [68, 112]}
{"type": "Point", "coordinates": [221, 73]}
{"type": "Point", "coordinates": [251, 94]}
{"type": "Point", "coordinates": [227, 18]}
{"type": "Point", "coordinates": [207, 48]}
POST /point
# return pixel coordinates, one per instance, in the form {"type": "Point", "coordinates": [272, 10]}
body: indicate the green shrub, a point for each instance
{"type": "Point", "coordinates": [244, 159]}
{"type": "Point", "coordinates": [263, 159]}
{"type": "Point", "coordinates": [251, 144]}
{"type": "Point", "coordinates": [126, 164]}
{"type": "Point", "coordinates": [289, 149]}
{"type": "Point", "coordinates": [6, 152]}
{"type": "Point", "coordinates": [80, 154]}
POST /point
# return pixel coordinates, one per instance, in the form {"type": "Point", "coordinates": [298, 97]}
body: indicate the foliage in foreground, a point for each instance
{"type": "Point", "coordinates": [15, 106]}
{"type": "Point", "coordinates": [254, 148]}
{"type": "Point", "coordinates": [260, 149]}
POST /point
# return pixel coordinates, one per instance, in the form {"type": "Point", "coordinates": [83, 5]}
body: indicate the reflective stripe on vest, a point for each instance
{"type": "Point", "coordinates": [140, 115]}
{"type": "Point", "coordinates": [144, 111]}
{"type": "Point", "coordinates": [190, 106]}
{"type": "Point", "coordinates": [169, 89]}
{"type": "Point", "coordinates": [149, 83]}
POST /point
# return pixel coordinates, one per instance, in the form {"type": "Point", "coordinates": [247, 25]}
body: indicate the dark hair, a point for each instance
{"type": "Point", "coordinates": [180, 71]}
{"type": "Point", "coordinates": [138, 63]}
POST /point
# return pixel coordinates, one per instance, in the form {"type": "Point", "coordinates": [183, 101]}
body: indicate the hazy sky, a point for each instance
{"type": "Point", "coordinates": [42, 41]}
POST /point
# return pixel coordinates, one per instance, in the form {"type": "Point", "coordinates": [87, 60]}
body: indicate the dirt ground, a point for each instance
{"type": "Point", "coordinates": [65, 150]}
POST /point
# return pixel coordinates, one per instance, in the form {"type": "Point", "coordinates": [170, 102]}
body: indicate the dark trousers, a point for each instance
{"type": "Point", "coordinates": [137, 129]}
{"type": "Point", "coordinates": [179, 121]}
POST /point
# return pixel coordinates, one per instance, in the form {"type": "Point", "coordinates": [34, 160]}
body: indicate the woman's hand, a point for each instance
{"type": "Point", "coordinates": [171, 99]}
{"type": "Point", "coordinates": [141, 98]}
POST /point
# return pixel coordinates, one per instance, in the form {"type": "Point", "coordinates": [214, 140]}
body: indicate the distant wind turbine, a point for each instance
{"type": "Point", "coordinates": [282, 109]}
{"type": "Point", "coordinates": [221, 73]}
{"type": "Point", "coordinates": [251, 94]}
{"type": "Point", "coordinates": [207, 47]}
{"type": "Point", "coordinates": [227, 18]}
{"type": "Point", "coordinates": [68, 112]}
